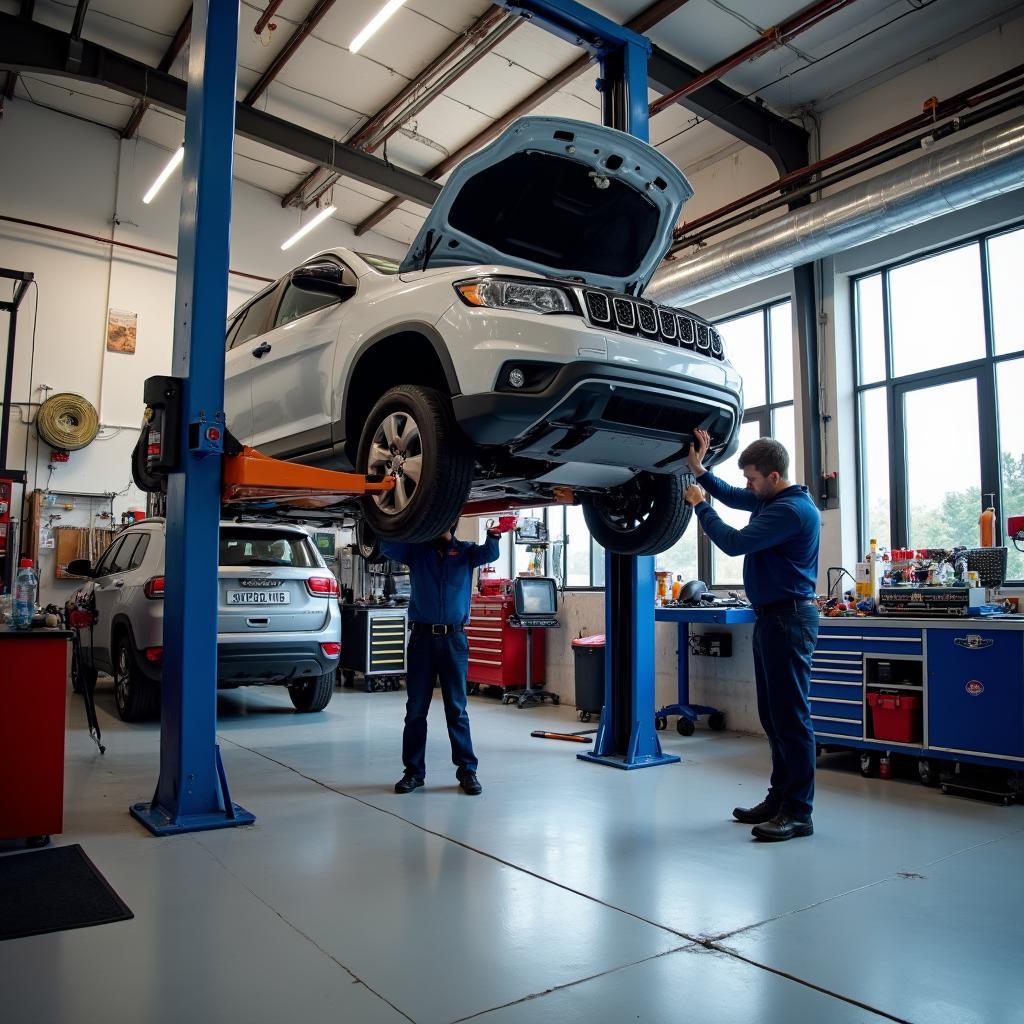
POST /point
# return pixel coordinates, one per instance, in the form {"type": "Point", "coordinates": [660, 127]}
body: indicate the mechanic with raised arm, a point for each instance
{"type": "Point", "coordinates": [440, 580]}
{"type": "Point", "coordinates": [780, 575]}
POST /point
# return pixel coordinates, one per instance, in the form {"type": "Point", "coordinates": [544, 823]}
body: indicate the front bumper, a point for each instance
{"type": "Point", "coordinates": [606, 414]}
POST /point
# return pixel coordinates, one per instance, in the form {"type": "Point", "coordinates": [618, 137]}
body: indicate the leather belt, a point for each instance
{"type": "Point", "coordinates": [791, 604]}
{"type": "Point", "coordinates": [436, 628]}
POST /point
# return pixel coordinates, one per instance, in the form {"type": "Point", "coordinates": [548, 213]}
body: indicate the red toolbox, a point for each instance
{"type": "Point", "coordinates": [896, 717]}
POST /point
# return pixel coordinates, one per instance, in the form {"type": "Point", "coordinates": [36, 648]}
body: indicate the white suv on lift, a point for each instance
{"type": "Point", "coordinates": [509, 358]}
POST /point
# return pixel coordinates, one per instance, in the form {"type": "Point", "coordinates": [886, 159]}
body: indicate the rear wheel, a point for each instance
{"type": "Point", "coordinates": [368, 543]}
{"type": "Point", "coordinates": [313, 695]}
{"type": "Point", "coordinates": [412, 437]}
{"type": "Point", "coordinates": [137, 697]}
{"type": "Point", "coordinates": [643, 517]}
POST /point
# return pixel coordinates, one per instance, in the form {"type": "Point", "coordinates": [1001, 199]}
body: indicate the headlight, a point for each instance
{"type": "Point", "coordinates": [522, 295]}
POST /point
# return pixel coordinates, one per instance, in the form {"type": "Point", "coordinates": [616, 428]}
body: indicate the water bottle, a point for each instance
{"type": "Point", "coordinates": [26, 585]}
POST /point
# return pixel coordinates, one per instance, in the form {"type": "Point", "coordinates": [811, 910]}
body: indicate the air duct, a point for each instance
{"type": "Point", "coordinates": [957, 176]}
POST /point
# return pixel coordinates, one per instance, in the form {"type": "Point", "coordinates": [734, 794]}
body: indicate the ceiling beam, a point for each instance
{"type": "Point", "coordinates": [29, 46]}
{"type": "Point", "coordinates": [170, 56]}
{"type": "Point", "coordinates": [27, 10]}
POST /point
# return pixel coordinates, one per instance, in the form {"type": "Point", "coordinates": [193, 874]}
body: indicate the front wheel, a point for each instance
{"type": "Point", "coordinates": [411, 436]}
{"type": "Point", "coordinates": [643, 517]}
{"type": "Point", "coordinates": [313, 695]}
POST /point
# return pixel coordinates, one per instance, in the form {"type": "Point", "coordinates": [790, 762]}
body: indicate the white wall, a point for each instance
{"type": "Point", "coordinates": [61, 171]}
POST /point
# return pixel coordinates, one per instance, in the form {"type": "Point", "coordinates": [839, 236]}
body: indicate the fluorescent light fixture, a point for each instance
{"type": "Point", "coordinates": [164, 175]}
{"type": "Point", "coordinates": [306, 228]}
{"type": "Point", "coordinates": [374, 23]}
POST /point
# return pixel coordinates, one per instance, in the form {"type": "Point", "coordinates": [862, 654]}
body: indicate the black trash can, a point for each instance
{"type": "Point", "coordinates": [588, 652]}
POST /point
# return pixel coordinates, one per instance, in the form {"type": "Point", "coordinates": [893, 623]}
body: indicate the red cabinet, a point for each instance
{"type": "Point", "coordinates": [497, 651]}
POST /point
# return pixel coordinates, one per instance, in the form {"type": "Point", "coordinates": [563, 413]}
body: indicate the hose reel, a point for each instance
{"type": "Point", "coordinates": [67, 421]}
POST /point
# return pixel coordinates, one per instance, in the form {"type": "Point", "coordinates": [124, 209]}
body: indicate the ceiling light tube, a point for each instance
{"type": "Point", "coordinates": [374, 23]}
{"type": "Point", "coordinates": [306, 228]}
{"type": "Point", "coordinates": [164, 175]}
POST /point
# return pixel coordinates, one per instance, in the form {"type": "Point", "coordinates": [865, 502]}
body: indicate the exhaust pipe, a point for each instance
{"type": "Point", "coordinates": [989, 164]}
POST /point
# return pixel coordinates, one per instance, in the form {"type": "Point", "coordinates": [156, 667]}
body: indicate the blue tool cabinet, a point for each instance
{"type": "Point", "coordinates": [969, 674]}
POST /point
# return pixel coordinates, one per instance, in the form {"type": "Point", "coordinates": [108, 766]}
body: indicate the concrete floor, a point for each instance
{"type": "Point", "coordinates": [566, 892]}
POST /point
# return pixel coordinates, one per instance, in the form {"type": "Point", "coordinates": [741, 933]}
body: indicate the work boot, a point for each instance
{"type": "Point", "coordinates": [469, 782]}
{"type": "Point", "coordinates": [408, 782]}
{"type": "Point", "coordinates": [764, 811]}
{"type": "Point", "coordinates": [781, 828]}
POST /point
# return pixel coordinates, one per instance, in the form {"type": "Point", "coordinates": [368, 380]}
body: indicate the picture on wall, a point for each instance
{"type": "Point", "coordinates": [121, 330]}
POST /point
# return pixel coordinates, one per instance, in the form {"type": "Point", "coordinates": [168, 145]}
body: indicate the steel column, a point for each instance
{"type": "Point", "coordinates": [192, 792]}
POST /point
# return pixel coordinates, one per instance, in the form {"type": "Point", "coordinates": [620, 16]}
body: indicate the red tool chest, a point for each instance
{"type": "Point", "coordinates": [497, 651]}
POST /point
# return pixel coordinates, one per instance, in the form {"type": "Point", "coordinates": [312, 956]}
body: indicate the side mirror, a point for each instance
{"type": "Point", "coordinates": [325, 278]}
{"type": "Point", "coordinates": [79, 567]}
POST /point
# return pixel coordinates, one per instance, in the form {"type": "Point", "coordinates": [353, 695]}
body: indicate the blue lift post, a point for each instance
{"type": "Point", "coordinates": [192, 790]}
{"type": "Point", "coordinates": [626, 736]}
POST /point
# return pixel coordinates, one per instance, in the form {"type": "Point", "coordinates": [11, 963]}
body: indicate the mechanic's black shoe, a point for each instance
{"type": "Point", "coordinates": [764, 811]}
{"type": "Point", "coordinates": [407, 783]}
{"type": "Point", "coordinates": [782, 827]}
{"type": "Point", "coordinates": [469, 782]}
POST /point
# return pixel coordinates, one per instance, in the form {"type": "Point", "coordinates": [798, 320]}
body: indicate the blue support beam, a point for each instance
{"type": "Point", "coordinates": [192, 791]}
{"type": "Point", "coordinates": [626, 737]}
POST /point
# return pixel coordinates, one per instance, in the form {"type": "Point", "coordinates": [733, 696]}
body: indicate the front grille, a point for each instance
{"type": "Point", "coordinates": [646, 320]}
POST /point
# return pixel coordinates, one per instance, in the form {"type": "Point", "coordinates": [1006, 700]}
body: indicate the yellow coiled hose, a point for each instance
{"type": "Point", "coordinates": [67, 421]}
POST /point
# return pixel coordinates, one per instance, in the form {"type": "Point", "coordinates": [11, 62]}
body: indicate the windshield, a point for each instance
{"type": "Point", "coordinates": [383, 264]}
{"type": "Point", "coordinates": [266, 547]}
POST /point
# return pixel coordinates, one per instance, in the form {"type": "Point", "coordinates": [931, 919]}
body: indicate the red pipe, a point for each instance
{"type": "Point", "coordinates": [770, 38]}
{"type": "Point", "coordinates": [123, 245]}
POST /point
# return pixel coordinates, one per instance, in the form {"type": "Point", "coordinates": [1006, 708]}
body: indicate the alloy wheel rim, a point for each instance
{"type": "Point", "coordinates": [121, 684]}
{"type": "Point", "coordinates": [396, 451]}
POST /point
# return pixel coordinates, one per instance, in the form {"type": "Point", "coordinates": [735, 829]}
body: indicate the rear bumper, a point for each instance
{"type": "Point", "coordinates": [608, 415]}
{"type": "Point", "coordinates": [255, 664]}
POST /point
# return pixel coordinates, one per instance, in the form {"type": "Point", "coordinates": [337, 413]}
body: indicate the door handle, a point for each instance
{"type": "Point", "coordinates": [118, 583]}
{"type": "Point", "coordinates": [261, 349]}
{"type": "Point", "coordinates": [257, 622]}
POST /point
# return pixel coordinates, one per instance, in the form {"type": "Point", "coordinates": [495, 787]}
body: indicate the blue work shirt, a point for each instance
{"type": "Point", "coordinates": [780, 542]}
{"type": "Point", "coordinates": [441, 579]}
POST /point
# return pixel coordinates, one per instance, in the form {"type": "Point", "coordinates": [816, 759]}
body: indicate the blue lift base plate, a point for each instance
{"type": "Point", "coordinates": [160, 825]}
{"type": "Point", "coordinates": [617, 761]}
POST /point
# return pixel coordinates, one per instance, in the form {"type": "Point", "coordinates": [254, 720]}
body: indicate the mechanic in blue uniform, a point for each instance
{"type": "Point", "coordinates": [440, 580]}
{"type": "Point", "coordinates": [780, 576]}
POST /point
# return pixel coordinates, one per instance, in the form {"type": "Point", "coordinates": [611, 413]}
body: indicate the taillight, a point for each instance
{"type": "Point", "coordinates": [154, 654]}
{"type": "Point", "coordinates": [331, 650]}
{"type": "Point", "coordinates": [154, 587]}
{"type": "Point", "coordinates": [322, 586]}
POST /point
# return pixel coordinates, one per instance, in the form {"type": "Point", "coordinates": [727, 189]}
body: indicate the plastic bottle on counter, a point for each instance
{"type": "Point", "coordinates": [26, 587]}
{"type": "Point", "coordinates": [677, 587]}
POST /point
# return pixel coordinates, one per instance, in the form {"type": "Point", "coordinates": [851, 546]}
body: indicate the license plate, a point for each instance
{"type": "Point", "coordinates": [259, 597]}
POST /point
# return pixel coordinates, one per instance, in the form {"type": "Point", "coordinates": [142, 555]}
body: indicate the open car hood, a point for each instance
{"type": "Point", "coordinates": [561, 198]}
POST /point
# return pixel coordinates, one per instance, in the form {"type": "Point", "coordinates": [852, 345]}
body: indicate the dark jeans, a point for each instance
{"type": "Point", "coordinates": [446, 657]}
{"type": "Point", "coordinates": [783, 644]}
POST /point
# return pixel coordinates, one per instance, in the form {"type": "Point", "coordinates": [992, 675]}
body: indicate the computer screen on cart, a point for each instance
{"type": "Point", "coordinates": [536, 596]}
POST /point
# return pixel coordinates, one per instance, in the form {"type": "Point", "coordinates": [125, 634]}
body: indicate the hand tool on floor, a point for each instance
{"type": "Point", "coordinates": [572, 737]}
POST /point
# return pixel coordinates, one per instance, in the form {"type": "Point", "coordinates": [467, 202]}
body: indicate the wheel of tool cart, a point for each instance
{"type": "Point", "coordinates": [684, 726]}
{"type": "Point", "coordinates": [660, 722]}
{"type": "Point", "coordinates": [556, 700]}
{"type": "Point", "coordinates": [36, 841]}
{"type": "Point", "coordinates": [868, 765]}
{"type": "Point", "coordinates": [716, 722]}
{"type": "Point", "coordinates": [927, 772]}
{"type": "Point", "coordinates": [584, 716]}
{"type": "Point", "coordinates": [472, 689]}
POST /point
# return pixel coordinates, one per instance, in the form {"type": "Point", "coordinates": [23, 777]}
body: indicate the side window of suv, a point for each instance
{"type": "Point", "coordinates": [297, 303]}
{"type": "Point", "coordinates": [140, 551]}
{"type": "Point", "coordinates": [122, 560]}
{"type": "Point", "coordinates": [104, 565]}
{"type": "Point", "coordinates": [252, 320]}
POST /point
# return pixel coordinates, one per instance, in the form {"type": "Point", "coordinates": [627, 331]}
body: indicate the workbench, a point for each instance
{"type": "Point", "coordinates": [689, 713]}
{"type": "Point", "coordinates": [968, 672]}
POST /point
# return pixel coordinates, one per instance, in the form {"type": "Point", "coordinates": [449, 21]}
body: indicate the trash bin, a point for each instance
{"type": "Point", "coordinates": [588, 652]}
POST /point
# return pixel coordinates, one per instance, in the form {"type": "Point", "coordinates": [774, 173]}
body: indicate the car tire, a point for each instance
{"type": "Point", "coordinates": [136, 697]}
{"type": "Point", "coordinates": [422, 419]}
{"type": "Point", "coordinates": [644, 517]}
{"type": "Point", "coordinates": [368, 543]}
{"type": "Point", "coordinates": [313, 695]}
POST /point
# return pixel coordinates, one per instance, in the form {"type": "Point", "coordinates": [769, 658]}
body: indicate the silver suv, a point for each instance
{"type": "Point", "coordinates": [510, 358]}
{"type": "Point", "coordinates": [278, 616]}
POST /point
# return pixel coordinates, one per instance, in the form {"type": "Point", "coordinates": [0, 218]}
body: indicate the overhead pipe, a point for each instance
{"type": "Point", "coordinates": [957, 176]}
{"type": "Point", "coordinates": [932, 111]}
{"type": "Point", "coordinates": [770, 38]}
{"type": "Point", "coordinates": [264, 19]}
{"type": "Point", "coordinates": [915, 142]}
{"type": "Point", "coordinates": [646, 19]}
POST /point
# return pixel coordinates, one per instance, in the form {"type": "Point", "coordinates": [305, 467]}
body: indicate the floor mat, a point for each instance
{"type": "Point", "coordinates": [53, 890]}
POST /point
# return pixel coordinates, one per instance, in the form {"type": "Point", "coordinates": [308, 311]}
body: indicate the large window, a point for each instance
{"type": "Point", "coordinates": [760, 346]}
{"type": "Point", "coordinates": [940, 368]}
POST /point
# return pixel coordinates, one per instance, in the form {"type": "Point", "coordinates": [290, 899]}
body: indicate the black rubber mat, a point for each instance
{"type": "Point", "coordinates": [53, 890]}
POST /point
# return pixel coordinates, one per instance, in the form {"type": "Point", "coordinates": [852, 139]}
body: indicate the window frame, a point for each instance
{"type": "Point", "coordinates": [982, 370]}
